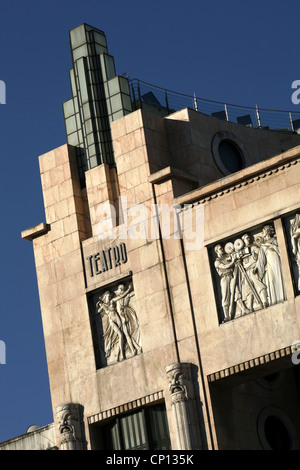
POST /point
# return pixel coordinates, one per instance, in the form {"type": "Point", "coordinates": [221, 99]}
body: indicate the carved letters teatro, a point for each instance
{"type": "Point", "coordinates": [110, 258]}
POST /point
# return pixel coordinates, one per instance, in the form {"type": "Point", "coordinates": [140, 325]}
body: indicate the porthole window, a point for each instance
{"type": "Point", "coordinates": [230, 156]}
{"type": "Point", "coordinates": [276, 430]}
{"type": "Point", "coordinates": [277, 434]}
{"type": "Point", "coordinates": [229, 153]}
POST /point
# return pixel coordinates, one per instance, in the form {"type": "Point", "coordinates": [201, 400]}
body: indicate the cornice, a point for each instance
{"type": "Point", "coordinates": [252, 363]}
{"type": "Point", "coordinates": [126, 407]}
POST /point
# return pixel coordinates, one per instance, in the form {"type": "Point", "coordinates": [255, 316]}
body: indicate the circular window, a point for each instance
{"type": "Point", "coordinates": [229, 153]}
{"type": "Point", "coordinates": [276, 430]}
{"type": "Point", "coordinates": [277, 434]}
{"type": "Point", "coordinates": [230, 156]}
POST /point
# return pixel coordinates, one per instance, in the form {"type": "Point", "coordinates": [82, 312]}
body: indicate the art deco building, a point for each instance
{"type": "Point", "coordinates": [168, 272]}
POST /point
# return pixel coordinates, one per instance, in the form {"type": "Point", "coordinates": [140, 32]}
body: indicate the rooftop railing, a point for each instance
{"type": "Point", "coordinates": [167, 102]}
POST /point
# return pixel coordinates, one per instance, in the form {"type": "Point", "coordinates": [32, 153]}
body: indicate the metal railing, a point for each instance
{"type": "Point", "coordinates": [167, 102]}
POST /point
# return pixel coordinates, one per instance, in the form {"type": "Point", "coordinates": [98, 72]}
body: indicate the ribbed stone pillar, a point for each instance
{"type": "Point", "coordinates": [180, 385]}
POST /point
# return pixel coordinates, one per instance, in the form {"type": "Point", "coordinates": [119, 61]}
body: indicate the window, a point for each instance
{"type": "Point", "coordinates": [276, 430]}
{"type": "Point", "coordinates": [229, 153]}
{"type": "Point", "coordinates": [276, 434]}
{"type": "Point", "coordinates": [145, 429]}
{"type": "Point", "coordinates": [230, 156]}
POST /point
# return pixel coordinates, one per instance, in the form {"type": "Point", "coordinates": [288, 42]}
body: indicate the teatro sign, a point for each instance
{"type": "Point", "coordinates": [106, 259]}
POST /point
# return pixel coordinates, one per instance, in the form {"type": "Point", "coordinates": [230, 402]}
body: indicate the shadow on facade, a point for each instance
{"type": "Point", "coordinates": [261, 412]}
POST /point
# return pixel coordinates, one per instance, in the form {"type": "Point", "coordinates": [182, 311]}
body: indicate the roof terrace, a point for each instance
{"type": "Point", "coordinates": [166, 102]}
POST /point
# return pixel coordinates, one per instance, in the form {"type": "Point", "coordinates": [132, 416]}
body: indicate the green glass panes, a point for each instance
{"type": "Point", "coordinates": [144, 429]}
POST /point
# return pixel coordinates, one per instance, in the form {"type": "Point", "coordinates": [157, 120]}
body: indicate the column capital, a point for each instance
{"type": "Point", "coordinates": [70, 426]}
{"type": "Point", "coordinates": [179, 375]}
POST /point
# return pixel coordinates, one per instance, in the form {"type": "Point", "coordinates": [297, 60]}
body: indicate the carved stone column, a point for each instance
{"type": "Point", "coordinates": [180, 385]}
{"type": "Point", "coordinates": [70, 426]}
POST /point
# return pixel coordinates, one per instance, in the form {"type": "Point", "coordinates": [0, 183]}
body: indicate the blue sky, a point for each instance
{"type": "Point", "coordinates": [237, 52]}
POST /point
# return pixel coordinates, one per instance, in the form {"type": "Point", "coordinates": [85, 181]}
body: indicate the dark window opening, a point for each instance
{"type": "Point", "coordinates": [145, 429]}
{"type": "Point", "coordinates": [276, 434]}
{"type": "Point", "coordinates": [230, 156]}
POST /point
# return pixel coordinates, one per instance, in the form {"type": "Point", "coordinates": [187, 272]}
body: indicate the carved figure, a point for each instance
{"type": "Point", "coordinates": [224, 265]}
{"type": "Point", "coordinates": [268, 266]}
{"type": "Point", "coordinates": [254, 290]}
{"type": "Point", "coordinates": [120, 324]}
{"type": "Point", "coordinates": [236, 284]}
{"type": "Point", "coordinates": [250, 273]}
{"type": "Point", "coordinates": [295, 240]}
{"type": "Point", "coordinates": [128, 319]}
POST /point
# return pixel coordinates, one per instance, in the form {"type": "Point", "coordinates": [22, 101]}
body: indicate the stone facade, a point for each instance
{"type": "Point", "coordinates": [87, 264]}
{"type": "Point", "coordinates": [168, 280]}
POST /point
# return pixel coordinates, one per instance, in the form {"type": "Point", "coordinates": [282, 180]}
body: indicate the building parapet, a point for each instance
{"type": "Point", "coordinates": [34, 439]}
{"type": "Point", "coordinates": [165, 102]}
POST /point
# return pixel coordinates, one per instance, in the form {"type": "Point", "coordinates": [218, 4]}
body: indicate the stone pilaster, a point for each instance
{"type": "Point", "coordinates": [181, 389]}
{"type": "Point", "coordinates": [70, 426]}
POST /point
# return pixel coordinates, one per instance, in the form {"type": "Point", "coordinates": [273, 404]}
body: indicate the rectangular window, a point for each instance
{"type": "Point", "coordinates": [145, 429]}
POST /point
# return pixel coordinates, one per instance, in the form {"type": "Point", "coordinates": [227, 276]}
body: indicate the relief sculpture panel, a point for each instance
{"type": "Point", "coordinates": [249, 273]}
{"type": "Point", "coordinates": [295, 245]}
{"type": "Point", "coordinates": [116, 322]}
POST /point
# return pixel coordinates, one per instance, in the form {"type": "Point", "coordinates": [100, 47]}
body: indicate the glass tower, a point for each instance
{"type": "Point", "coordinates": [99, 96]}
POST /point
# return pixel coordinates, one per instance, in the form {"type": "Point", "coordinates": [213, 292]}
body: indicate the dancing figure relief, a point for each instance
{"type": "Point", "coordinates": [295, 241]}
{"type": "Point", "coordinates": [250, 273]}
{"type": "Point", "coordinates": [120, 324]}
